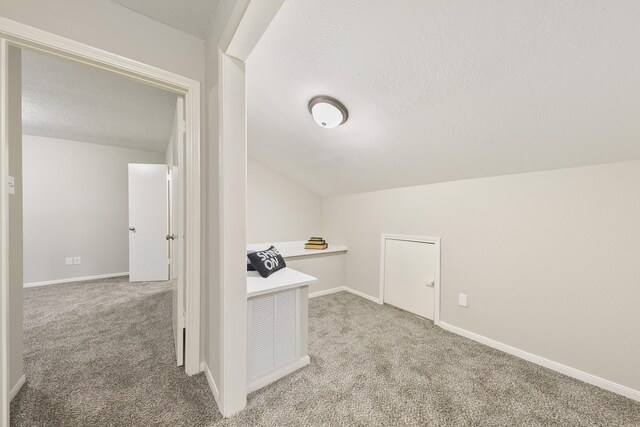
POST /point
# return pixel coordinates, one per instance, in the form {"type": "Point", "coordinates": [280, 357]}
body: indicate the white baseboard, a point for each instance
{"type": "Point", "coordinates": [74, 279]}
{"type": "Point", "coordinates": [212, 384]}
{"type": "Point", "coordinates": [554, 366]}
{"type": "Point", "coordinates": [327, 292]}
{"type": "Point", "coordinates": [346, 289]}
{"type": "Point", "coordinates": [16, 389]}
{"type": "Point", "coordinates": [538, 360]}
{"type": "Point", "coordinates": [363, 295]}
{"type": "Point", "coordinates": [276, 375]}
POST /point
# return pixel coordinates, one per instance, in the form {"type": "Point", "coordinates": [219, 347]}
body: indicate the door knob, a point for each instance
{"type": "Point", "coordinates": [132, 229]}
{"type": "Point", "coordinates": [171, 237]}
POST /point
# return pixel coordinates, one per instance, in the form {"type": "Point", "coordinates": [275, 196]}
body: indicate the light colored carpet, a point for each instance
{"type": "Point", "coordinates": [103, 355]}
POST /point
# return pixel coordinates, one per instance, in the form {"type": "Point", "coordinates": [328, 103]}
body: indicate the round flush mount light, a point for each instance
{"type": "Point", "coordinates": [328, 112]}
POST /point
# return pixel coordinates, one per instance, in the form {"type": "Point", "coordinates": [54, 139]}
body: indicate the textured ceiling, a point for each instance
{"type": "Point", "coordinates": [445, 90]}
{"type": "Point", "coordinates": [191, 16]}
{"type": "Point", "coordinates": [69, 100]}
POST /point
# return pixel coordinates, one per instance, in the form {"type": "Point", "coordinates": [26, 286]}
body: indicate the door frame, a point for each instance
{"type": "Point", "coordinates": [16, 34]}
{"type": "Point", "coordinates": [246, 24]}
{"type": "Point", "coordinates": [420, 239]}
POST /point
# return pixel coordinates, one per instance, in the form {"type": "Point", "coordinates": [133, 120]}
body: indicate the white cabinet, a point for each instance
{"type": "Point", "coordinates": [278, 326]}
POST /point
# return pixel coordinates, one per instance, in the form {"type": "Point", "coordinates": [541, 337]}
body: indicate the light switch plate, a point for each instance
{"type": "Point", "coordinates": [12, 185]}
{"type": "Point", "coordinates": [462, 300]}
{"type": "Point", "coordinates": [68, 260]}
{"type": "Point", "coordinates": [77, 260]}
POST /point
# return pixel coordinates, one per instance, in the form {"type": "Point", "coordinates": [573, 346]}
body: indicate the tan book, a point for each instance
{"type": "Point", "coordinates": [316, 239]}
{"type": "Point", "coordinates": [314, 246]}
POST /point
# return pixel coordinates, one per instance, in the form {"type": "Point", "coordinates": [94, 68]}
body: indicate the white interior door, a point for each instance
{"type": "Point", "coordinates": [409, 276]}
{"type": "Point", "coordinates": [148, 223]}
{"type": "Point", "coordinates": [176, 247]}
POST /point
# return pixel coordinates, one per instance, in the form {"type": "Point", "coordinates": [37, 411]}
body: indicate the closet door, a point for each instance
{"type": "Point", "coordinates": [409, 276]}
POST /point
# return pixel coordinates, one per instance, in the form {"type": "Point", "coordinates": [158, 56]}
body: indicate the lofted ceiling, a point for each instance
{"type": "Point", "coordinates": [444, 90]}
{"type": "Point", "coordinates": [69, 100]}
{"type": "Point", "coordinates": [191, 16]}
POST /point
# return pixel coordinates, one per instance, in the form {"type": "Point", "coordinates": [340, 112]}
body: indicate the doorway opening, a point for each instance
{"type": "Point", "coordinates": [179, 225]}
{"type": "Point", "coordinates": [95, 152]}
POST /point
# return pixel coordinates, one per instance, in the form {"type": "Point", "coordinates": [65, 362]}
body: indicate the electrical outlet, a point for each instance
{"type": "Point", "coordinates": [68, 261]}
{"type": "Point", "coordinates": [77, 260]}
{"type": "Point", "coordinates": [462, 300]}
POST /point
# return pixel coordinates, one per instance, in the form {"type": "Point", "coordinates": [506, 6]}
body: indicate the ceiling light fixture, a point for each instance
{"type": "Point", "coordinates": [328, 112]}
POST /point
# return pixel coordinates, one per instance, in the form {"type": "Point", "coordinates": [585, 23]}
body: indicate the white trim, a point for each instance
{"type": "Point", "coordinates": [278, 374]}
{"type": "Point", "coordinates": [74, 279]}
{"type": "Point", "coordinates": [29, 37]}
{"type": "Point", "coordinates": [4, 242]}
{"type": "Point", "coordinates": [327, 292]}
{"type": "Point", "coordinates": [363, 295]}
{"type": "Point", "coordinates": [255, 19]}
{"type": "Point", "coordinates": [232, 238]}
{"type": "Point", "coordinates": [191, 227]}
{"type": "Point", "coordinates": [423, 239]}
{"type": "Point", "coordinates": [344, 289]}
{"type": "Point", "coordinates": [212, 384]}
{"type": "Point", "coordinates": [539, 360]}
{"type": "Point", "coordinates": [232, 186]}
{"type": "Point", "coordinates": [16, 388]}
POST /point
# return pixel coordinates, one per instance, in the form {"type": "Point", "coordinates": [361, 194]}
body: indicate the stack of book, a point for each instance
{"type": "Point", "coordinates": [316, 243]}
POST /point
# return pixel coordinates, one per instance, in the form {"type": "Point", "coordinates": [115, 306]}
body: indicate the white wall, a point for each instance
{"type": "Point", "coordinates": [549, 260]}
{"type": "Point", "coordinates": [329, 269]}
{"type": "Point", "coordinates": [211, 307]}
{"type": "Point", "coordinates": [279, 209]}
{"type": "Point", "coordinates": [114, 28]}
{"type": "Point", "coordinates": [75, 204]}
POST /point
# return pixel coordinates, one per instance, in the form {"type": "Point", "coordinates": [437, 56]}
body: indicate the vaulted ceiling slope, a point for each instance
{"type": "Point", "coordinates": [191, 16]}
{"type": "Point", "coordinates": [445, 90]}
{"type": "Point", "coordinates": [69, 100]}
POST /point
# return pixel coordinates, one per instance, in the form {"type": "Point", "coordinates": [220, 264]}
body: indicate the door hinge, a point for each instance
{"type": "Point", "coordinates": [182, 126]}
{"type": "Point", "coordinates": [11, 185]}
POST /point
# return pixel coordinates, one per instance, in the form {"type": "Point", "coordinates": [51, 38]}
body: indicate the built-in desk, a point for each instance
{"type": "Point", "coordinates": [278, 323]}
{"type": "Point", "coordinates": [296, 249]}
{"type": "Point", "coordinates": [281, 280]}
{"type": "Point", "coordinates": [327, 265]}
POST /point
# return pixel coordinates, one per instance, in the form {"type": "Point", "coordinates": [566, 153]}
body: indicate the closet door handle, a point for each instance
{"type": "Point", "coordinates": [132, 229]}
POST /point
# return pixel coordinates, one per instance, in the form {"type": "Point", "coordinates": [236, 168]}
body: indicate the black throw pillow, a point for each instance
{"type": "Point", "coordinates": [249, 266]}
{"type": "Point", "coordinates": [267, 262]}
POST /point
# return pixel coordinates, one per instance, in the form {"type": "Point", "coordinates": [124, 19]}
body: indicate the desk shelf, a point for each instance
{"type": "Point", "coordinates": [296, 249]}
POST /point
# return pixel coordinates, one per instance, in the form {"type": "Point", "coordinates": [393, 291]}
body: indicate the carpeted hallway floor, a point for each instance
{"type": "Point", "coordinates": [101, 353]}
